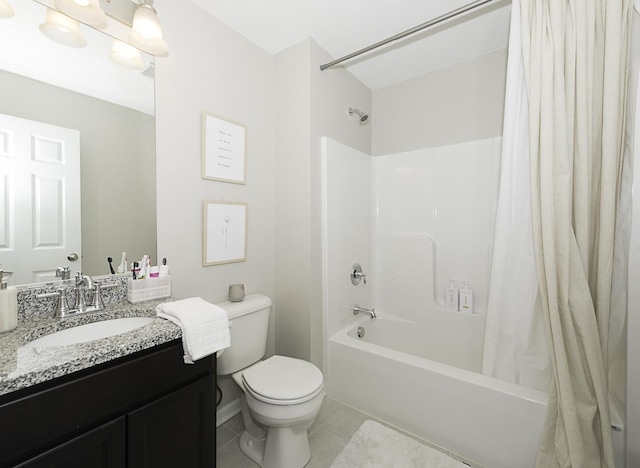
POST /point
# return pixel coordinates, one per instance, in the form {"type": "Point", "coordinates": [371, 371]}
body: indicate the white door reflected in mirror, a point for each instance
{"type": "Point", "coordinates": [39, 199]}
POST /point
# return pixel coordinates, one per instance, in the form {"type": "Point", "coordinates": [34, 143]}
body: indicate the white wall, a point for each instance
{"type": "Point", "coordinates": [292, 198]}
{"type": "Point", "coordinates": [212, 68]}
{"type": "Point", "coordinates": [310, 104]}
{"type": "Point", "coordinates": [463, 102]}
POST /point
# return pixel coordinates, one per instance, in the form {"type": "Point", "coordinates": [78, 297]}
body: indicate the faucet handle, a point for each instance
{"type": "Point", "coordinates": [62, 308]}
{"type": "Point", "coordinates": [96, 301]}
{"type": "Point", "coordinates": [62, 303]}
{"type": "Point", "coordinates": [357, 275]}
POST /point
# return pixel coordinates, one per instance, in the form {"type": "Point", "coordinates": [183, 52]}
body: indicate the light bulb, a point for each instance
{"type": "Point", "coordinates": [87, 11]}
{"type": "Point", "coordinates": [126, 55]}
{"type": "Point", "coordinates": [146, 33]}
{"type": "Point", "coordinates": [62, 29]}
{"type": "Point", "coordinates": [6, 10]}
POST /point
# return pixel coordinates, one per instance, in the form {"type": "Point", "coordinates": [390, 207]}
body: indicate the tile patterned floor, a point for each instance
{"type": "Point", "coordinates": [331, 431]}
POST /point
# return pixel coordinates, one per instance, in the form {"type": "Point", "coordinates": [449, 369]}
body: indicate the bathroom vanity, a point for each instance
{"type": "Point", "coordinates": [124, 401]}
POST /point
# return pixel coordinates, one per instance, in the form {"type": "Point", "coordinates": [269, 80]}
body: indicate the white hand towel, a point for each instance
{"type": "Point", "coordinates": [205, 326]}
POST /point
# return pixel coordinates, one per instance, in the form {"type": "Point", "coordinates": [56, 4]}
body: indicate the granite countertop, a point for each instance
{"type": "Point", "coordinates": [22, 367]}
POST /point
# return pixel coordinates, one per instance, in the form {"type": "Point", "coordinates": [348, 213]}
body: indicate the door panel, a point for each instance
{"type": "Point", "coordinates": [39, 198]}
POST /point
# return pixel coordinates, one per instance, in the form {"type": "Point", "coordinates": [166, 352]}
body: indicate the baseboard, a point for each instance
{"type": "Point", "coordinates": [227, 412]}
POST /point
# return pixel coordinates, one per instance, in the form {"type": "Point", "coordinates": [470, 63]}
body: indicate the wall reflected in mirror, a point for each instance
{"type": "Point", "coordinates": [112, 109]}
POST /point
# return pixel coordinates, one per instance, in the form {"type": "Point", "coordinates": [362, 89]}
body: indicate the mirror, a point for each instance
{"type": "Point", "coordinates": [112, 109]}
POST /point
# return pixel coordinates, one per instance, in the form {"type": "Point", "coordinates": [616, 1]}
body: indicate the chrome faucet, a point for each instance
{"type": "Point", "coordinates": [361, 310]}
{"type": "Point", "coordinates": [64, 273]}
{"type": "Point", "coordinates": [82, 282]}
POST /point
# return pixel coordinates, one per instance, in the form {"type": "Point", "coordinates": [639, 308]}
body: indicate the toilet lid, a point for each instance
{"type": "Point", "coordinates": [281, 379]}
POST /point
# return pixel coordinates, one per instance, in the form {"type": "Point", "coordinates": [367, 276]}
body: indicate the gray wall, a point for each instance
{"type": "Point", "coordinates": [212, 68]}
{"type": "Point", "coordinates": [463, 102]}
{"type": "Point", "coordinates": [309, 104]}
{"type": "Point", "coordinates": [117, 147]}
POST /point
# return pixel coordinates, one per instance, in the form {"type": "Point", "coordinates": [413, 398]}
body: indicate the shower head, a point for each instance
{"type": "Point", "coordinates": [363, 117]}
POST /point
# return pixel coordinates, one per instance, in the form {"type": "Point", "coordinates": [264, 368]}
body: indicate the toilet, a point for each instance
{"type": "Point", "coordinates": [281, 396]}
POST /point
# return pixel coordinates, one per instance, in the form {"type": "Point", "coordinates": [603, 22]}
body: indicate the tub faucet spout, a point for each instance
{"type": "Point", "coordinates": [361, 310]}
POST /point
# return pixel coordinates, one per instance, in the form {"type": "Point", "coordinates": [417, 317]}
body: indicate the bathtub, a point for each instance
{"type": "Point", "coordinates": [391, 373]}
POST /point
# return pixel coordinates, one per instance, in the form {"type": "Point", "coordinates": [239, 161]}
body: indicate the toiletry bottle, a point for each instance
{"type": "Point", "coordinates": [164, 268]}
{"type": "Point", "coordinates": [8, 305]}
{"type": "Point", "coordinates": [466, 298]}
{"type": "Point", "coordinates": [451, 299]}
{"type": "Point", "coordinates": [123, 263]}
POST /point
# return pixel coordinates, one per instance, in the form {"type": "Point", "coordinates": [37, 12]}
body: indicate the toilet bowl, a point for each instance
{"type": "Point", "coordinates": [280, 400]}
{"type": "Point", "coordinates": [281, 396]}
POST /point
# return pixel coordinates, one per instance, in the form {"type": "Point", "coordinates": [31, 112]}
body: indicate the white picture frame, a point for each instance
{"type": "Point", "coordinates": [223, 149]}
{"type": "Point", "coordinates": [224, 232]}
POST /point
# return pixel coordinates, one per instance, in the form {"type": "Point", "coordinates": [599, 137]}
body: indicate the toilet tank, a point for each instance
{"type": "Point", "coordinates": [248, 326]}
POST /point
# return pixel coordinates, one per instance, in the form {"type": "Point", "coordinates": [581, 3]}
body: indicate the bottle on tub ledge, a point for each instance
{"type": "Point", "coordinates": [466, 298]}
{"type": "Point", "coordinates": [451, 297]}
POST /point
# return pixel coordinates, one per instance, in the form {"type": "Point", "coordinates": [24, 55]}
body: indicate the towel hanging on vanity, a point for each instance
{"type": "Point", "coordinates": [205, 326]}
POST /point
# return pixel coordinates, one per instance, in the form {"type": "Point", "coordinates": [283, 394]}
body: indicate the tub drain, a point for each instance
{"type": "Point", "coordinates": [360, 332]}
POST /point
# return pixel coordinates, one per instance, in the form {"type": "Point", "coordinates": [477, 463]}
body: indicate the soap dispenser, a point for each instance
{"type": "Point", "coordinates": [8, 304]}
{"type": "Point", "coordinates": [451, 299]}
{"type": "Point", "coordinates": [466, 298]}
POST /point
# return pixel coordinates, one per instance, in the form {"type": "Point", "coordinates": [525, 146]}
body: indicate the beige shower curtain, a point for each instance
{"type": "Point", "coordinates": [576, 62]}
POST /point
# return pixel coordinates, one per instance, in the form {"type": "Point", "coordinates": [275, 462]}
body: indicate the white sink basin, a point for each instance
{"type": "Point", "coordinates": [90, 332]}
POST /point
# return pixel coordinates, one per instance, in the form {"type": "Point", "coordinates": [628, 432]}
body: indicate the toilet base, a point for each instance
{"type": "Point", "coordinates": [283, 447]}
{"type": "Point", "coordinates": [252, 447]}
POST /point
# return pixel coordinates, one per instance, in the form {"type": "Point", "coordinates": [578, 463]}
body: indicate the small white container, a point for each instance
{"type": "Point", "coordinates": [466, 298]}
{"type": "Point", "coordinates": [8, 305]}
{"type": "Point", "coordinates": [451, 297]}
{"type": "Point", "coordinates": [148, 288]}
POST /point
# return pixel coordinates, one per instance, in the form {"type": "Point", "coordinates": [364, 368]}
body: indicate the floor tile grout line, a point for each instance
{"type": "Point", "coordinates": [227, 442]}
{"type": "Point", "coordinates": [326, 428]}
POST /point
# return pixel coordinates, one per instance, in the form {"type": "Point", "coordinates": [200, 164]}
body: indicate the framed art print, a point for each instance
{"type": "Point", "coordinates": [223, 149]}
{"type": "Point", "coordinates": [224, 232]}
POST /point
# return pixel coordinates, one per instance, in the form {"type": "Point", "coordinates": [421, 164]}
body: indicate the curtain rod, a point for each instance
{"type": "Point", "coordinates": [408, 32]}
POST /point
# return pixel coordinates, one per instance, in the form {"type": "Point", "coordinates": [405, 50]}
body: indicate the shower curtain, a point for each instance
{"type": "Point", "coordinates": [576, 68]}
{"type": "Point", "coordinates": [515, 348]}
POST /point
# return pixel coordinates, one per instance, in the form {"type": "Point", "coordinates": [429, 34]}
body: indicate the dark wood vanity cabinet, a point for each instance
{"type": "Point", "coordinates": [102, 447]}
{"type": "Point", "coordinates": [145, 410]}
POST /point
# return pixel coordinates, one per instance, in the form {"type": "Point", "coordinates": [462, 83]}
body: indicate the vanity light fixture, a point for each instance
{"type": "Point", "coordinates": [146, 33]}
{"type": "Point", "coordinates": [86, 11]}
{"type": "Point", "coordinates": [62, 29]}
{"type": "Point", "coordinates": [126, 55]}
{"type": "Point", "coordinates": [6, 10]}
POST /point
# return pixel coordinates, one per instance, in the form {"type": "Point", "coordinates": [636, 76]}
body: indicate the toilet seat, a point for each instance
{"type": "Point", "coordinates": [282, 380]}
